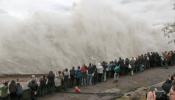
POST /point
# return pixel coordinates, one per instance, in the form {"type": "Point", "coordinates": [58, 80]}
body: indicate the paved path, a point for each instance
{"type": "Point", "coordinates": [125, 84]}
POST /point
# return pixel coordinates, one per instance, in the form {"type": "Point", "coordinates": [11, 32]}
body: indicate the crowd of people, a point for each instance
{"type": "Point", "coordinates": [86, 75]}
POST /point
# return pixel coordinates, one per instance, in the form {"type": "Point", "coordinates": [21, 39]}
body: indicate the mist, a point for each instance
{"type": "Point", "coordinates": [37, 37]}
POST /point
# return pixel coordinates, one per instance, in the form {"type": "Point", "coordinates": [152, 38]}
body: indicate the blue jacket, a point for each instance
{"type": "Point", "coordinates": [78, 74]}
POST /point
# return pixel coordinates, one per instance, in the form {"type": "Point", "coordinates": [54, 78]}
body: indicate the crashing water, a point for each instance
{"type": "Point", "coordinates": [36, 37]}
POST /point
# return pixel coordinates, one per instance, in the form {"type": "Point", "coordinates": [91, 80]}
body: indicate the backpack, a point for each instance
{"type": "Point", "coordinates": [12, 88]}
{"type": "Point", "coordinates": [19, 90]}
{"type": "Point", "coordinates": [117, 69]}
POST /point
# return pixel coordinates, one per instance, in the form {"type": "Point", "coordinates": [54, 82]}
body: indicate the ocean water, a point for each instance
{"type": "Point", "coordinates": [41, 35]}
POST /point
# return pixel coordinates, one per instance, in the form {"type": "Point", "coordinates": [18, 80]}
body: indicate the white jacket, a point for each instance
{"type": "Point", "coordinates": [99, 69]}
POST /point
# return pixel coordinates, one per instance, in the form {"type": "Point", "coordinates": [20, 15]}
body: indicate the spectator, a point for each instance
{"type": "Point", "coordinates": [84, 75]}
{"type": "Point", "coordinates": [61, 77]}
{"type": "Point", "coordinates": [104, 64]}
{"type": "Point", "coordinates": [117, 71]}
{"type": "Point", "coordinates": [33, 86]}
{"type": "Point", "coordinates": [100, 72]}
{"type": "Point", "coordinates": [13, 90]}
{"type": "Point", "coordinates": [78, 76]}
{"type": "Point", "coordinates": [66, 79]}
{"type": "Point", "coordinates": [42, 87]}
{"type": "Point", "coordinates": [94, 75]}
{"type": "Point", "coordinates": [4, 91]}
{"type": "Point", "coordinates": [72, 77]}
{"type": "Point", "coordinates": [127, 66]}
{"type": "Point", "coordinates": [90, 74]}
{"type": "Point", "coordinates": [51, 82]}
{"type": "Point", "coordinates": [19, 91]}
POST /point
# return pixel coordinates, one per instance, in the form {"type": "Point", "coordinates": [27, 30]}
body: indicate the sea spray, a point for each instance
{"type": "Point", "coordinates": [90, 31]}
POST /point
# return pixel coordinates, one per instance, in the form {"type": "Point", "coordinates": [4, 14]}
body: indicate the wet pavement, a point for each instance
{"type": "Point", "coordinates": [125, 84]}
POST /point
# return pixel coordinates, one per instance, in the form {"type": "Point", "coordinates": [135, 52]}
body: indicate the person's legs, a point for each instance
{"type": "Point", "coordinates": [52, 88]}
{"type": "Point", "coordinates": [20, 97]}
{"type": "Point", "coordinates": [93, 80]}
{"type": "Point", "coordinates": [49, 88]}
{"type": "Point", "coordinates": [100, 77]}
{"type": "Point", "coordinates": [5, 98]}
{"type": "Point", "coordinates": [84, 81]}
{"type": "Point", "coordinates": [89, 79]}
{"type": "Point", "coordinates": [65, 84]}
{"type": "Point", "coordinates": [72, 81]}
{"type": "Point", "coordinates": [132, 72]}
{"type": "Point", "coordinates": [78, 81]}
{"type": "Point", "coordinates": [13, 96]}
{"type": "Point", "coordinates": [105, 76]}
{"type": "Point", "coordinates": [42, 91]}
{"type": "Point", "coordinates": [117, 77]}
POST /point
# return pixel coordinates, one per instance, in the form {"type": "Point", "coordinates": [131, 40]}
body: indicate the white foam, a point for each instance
{"type": "Point", "coordinates": [39, 36]}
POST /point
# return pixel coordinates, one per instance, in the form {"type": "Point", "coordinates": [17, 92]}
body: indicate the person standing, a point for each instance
{"type": "Point", "coordinates": [72, 77]}
{"type": "Point", "coordinates": [78, 76]}
{"type": "Point", "coordinates": [116, 72]}
{"type": "Point", "coordinates": [4, 91]}
{"type": "Point", "coordinates": [42, 86]}
{"type": "Point", "coordinates": [51, 82]}
{"type": "Point", "coordinates": [84, 75]}
{"type": "Point", "coordinates": [19, 91]}
{"type": "Point", "coordinates": [33, 86]}
{"type": "Point", "coordinates": [12, 90]}
{"type": "Point", "coordinates": [104, 64]}
{"type": "Point", "coordinates": [90, 74]}
{"type": "Point", "coordinates": [94, 75]}
{"type": "Point", "coordinates": [100, 72]}
{"type": "Point", "coordinates": [61, 78]}
{"type": "Point", "coordinates": [66, 79]}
